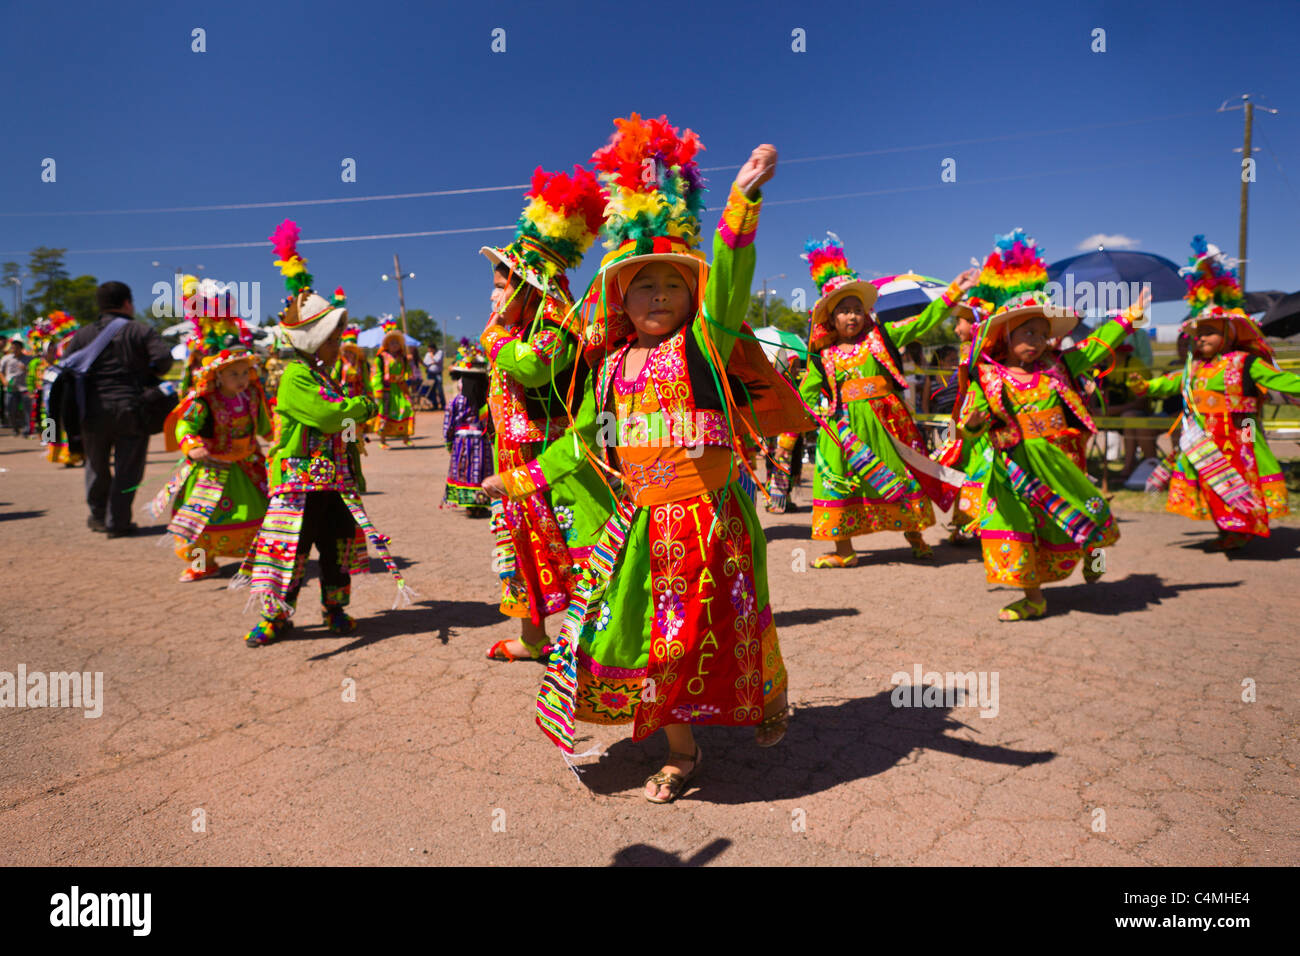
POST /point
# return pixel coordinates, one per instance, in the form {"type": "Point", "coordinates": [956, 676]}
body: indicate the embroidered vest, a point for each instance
{"type": "Point", "coordinates": [1008, 434]}
{"type": "Point", "coordinates": [874, 343]}
{"type": "Point", "coordinates": [1239, 395]}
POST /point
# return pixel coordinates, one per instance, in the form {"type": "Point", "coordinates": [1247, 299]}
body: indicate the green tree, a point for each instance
{"type": "Point", "coordinates": [419, 325]}
{"type": "Point", "coordinates": [77, 298]}
{"type": "Point", "coordinates": [48, 273]}
{"type": "Point", "coordinates": [778, 314]}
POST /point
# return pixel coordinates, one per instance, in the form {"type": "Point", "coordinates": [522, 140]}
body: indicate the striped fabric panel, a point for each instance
{"type": "Point", "coordinates": [556, 698]}
{"type": "Point", "coordinates": [1060, 512]}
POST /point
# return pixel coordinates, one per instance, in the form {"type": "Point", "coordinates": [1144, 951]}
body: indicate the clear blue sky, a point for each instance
{"type": "Point", "coordinates": [414, 94]}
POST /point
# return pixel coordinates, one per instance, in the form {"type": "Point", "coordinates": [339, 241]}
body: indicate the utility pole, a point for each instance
{"type": "Point", "coordinates": [765, 281]}
{"type": "Point", "coordinates": [401, 299]}
{"type": "Point", "coordinates": [1248, 108]}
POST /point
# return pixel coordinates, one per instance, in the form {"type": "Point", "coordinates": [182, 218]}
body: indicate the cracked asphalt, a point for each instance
{"type": "Point", "coordinates": [1121, 734]}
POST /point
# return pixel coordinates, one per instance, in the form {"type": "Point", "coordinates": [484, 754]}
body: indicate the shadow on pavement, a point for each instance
{"type": "Point", "coordinates": [18, 515]}
{"type": "Point", "coordinates": [1133, 593]}
{"type": "Point", "coordinates": [1282, 542]}
{"type": "Point", "coordinates": [827, 745]}
{"type": "Point", "coordinates": [811, 615]}
{"type": "Point", "coordinates": [642, 854]}
{"type": "Point", "coordinates": [436, 618]}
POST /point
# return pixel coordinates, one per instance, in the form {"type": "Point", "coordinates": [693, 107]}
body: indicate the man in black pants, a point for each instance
{"type": "Point", "coordinates": [111, 428]}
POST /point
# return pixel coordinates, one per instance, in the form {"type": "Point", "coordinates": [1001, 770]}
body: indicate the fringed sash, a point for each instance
{"type": "Point", "coordinates": [162, 502]}
{"type": "Point", "coordinates": [1214, 469]}
{"type": "Point", "coordinates": [557, 697]}
{"type": "Point", "coordinates": [194, 514]}
{"type": "Point", "coordinates": [1060, 512]}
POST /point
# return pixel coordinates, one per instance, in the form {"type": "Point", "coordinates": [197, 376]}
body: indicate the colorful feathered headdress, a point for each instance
{"type": "Point", "coordinates": [215, 323]}
{"type": "Point", "coordinates": [655, 188]}
{"type": "Point", "coordinates": [59, 325]}
{"type": "Point", "coordinates": [350, 335]}
{"type": "Point", "coordinates": [1012, 287]}
{"type": "Point", "coordinates": [557, 227]}
{"type": "Point", "coordinates": [1214, 293]}
{"type": "Point", "coordinates": [835, 280]}
{"type": "Point", "coordinates": [307, 319]}
{"type": "Point", "coordinates": [1213, 289]}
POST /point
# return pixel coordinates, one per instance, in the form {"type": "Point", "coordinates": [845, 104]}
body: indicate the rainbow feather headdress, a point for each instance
{"type": "Point", "coordinates": [1214, 293]}
{"type": "Point", "coordinates": [215, 323]}
{"type": "Point", "coordinates": [59, 325]}
{"type": "Point", "coordinates": [656, 199]}
{"type": "Point", "coordinates": [1012, 287]}
{"type": "Point", "coordinates": [307, 318]}
{"type": "Point", "coordinates": [557, 227]}
{"type": "Point", "coordinates": [835, 280]}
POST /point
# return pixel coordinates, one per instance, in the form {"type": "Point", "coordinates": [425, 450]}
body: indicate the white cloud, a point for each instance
{"type": "Point", "coordinates": [1118, 241]}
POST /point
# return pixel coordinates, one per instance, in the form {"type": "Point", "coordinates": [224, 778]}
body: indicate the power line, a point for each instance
{"type": "Point", "coordinates": [264, 242]}
{"type": "Point", "coordinates": [707, 169]}
{"type": "Point", "coordinates": [769, 202]}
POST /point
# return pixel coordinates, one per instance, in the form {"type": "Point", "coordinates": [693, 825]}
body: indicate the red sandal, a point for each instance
{"type": "Point", "coordinates": [499, 652]}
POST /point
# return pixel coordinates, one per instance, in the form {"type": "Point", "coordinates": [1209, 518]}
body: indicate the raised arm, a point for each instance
{"type": "Point", "coordinates": [300, 396]}
{"type": "Point", "coordinates": [532, 360]}
{"type": "Point", "coordinates": [933, 314]}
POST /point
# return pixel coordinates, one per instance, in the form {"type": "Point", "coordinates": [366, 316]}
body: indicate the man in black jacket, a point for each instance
{"type": "Point", "coordinates": [111, 429]}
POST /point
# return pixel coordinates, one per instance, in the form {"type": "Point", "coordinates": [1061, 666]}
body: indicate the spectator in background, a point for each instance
{"type": "Point", "coordinates": [917, 392]}
{"type": "Point", "coordinates": [111, 429]}
{"type": "Point", "coordinates": [1121, 401]}
{"type": "Point", "coordinates": [433, 362]}
{"type": "Point", "coordinates": [943, 399]}
{"type": "Point", "coordinates": [13, 370]}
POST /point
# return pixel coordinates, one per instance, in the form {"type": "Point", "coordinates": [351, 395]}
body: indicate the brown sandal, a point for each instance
{"type": "Point", "coordinates": [675, 782]}
{"type": "Point", "coordinates": [778, 723]}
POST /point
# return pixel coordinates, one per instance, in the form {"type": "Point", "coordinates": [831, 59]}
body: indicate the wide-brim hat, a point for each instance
{"type": "Point", "coordinates": [824, 308]}
{"type": "Point", "coordinates": [509, 257]}
{"type": "Point", "coordinates": [309, 320]}
{"type": "Point", "coordinates": [1246, 332]}
{"type": "Point", "coordinates": [1031, 305]}
{"type": "Point", "coordinates": [606, 325]}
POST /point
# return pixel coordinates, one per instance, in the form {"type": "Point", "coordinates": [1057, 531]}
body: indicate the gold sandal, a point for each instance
{"type": "Point", "coordinates": [834, 560]}
{"type": "Point", "coordinates": [1023, 610]}
{"type": "Point", "coordinates": [675, 782]}
{"type": "Point", "coordinates": [777, 723]}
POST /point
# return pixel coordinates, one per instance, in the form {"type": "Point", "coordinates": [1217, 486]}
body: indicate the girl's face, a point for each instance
{"type": "Point", "coordinates": [505, 300]}
{"type": "Point", "coordinates": [850, 318]}
{"type": "Point", "coordinates": [1029, 340]}
{"type": "Point", "coordinates": [965, 331]}
{"type": "Point", "coordinates": [1210, 339]}
{"type": "Point", "coordinates": [328, 353]}
{"type": "Point", "coordinates": [233, 379]}
{"type": "Point", "coordinates": [658, 300]}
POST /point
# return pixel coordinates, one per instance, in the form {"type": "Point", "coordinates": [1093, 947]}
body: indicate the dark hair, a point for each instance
{"type": "Point", "coordinates": [111, 296]}
{"type": "Point", "coordinates": [474, 386]}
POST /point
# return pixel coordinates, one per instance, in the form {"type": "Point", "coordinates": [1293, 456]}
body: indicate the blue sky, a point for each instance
{"type": "Point", "coordinates": [1046, 134]}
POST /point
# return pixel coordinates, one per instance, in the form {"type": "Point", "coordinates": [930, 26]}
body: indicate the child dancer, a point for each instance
{"type": "Point", "coordinates": [873, 476]}
{"type": "Point", "coordinates": [465, 430]}
{"type": "Point", "coordinates": [531, 341]}
{"type": "Point", "coordinates": [1040, 515]}
{"type": "Point", "coordinates": [1225, 470]}
{"type": "Point", "coordinates": [220, 494]}
{"type": "Point", "coordinates": [59, 329]}
{"type": "Point", "coordinates": [315, 475]}
{"type": "Point", "coordinates": [352, 370]}
{"type": "Point", "coordinates": [396, 417]}
{"type": "Point", "coordinates": [673, 626]}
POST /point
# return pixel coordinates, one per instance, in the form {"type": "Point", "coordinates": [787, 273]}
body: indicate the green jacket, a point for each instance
{"type": "Point", "coordinates": [314, 420]}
